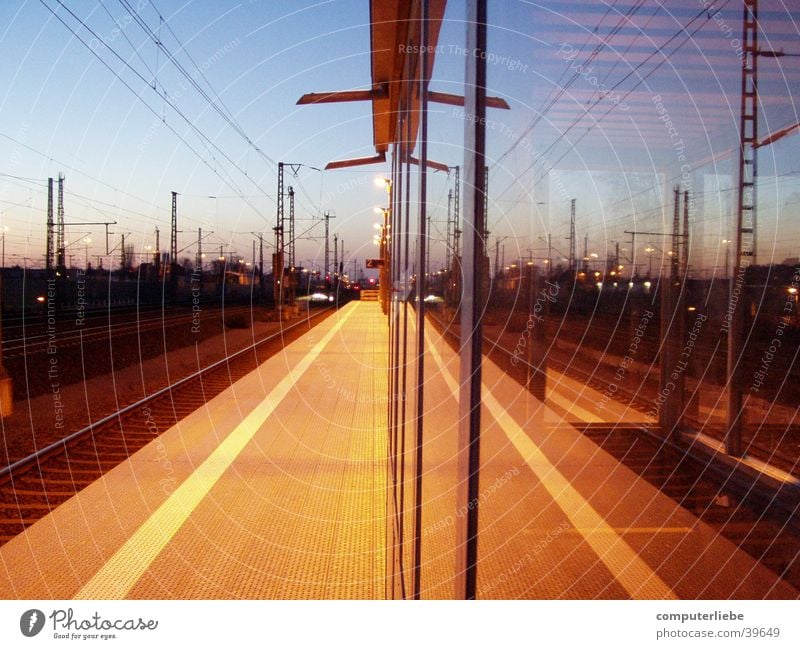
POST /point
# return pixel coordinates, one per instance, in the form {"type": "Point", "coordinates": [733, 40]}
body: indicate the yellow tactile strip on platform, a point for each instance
{"type": "Point", "coordinates": [124, 569]}
{"type": "Point", "coordinates": [559, 517]}
{"type": "Point", "coordinates": [300, 513]}
{"type": "Point", "coordinates": [58, 556]}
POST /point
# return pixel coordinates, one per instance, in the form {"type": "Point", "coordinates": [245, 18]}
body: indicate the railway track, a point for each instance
{"type": "Point", "coordinates": [38, 343]}
{"type": "Point", "coordinates": [599, 375]}
{"type": "Point", "coordinates": [35, 485]}
{"type": "Point", "coordinates": [760, 520]}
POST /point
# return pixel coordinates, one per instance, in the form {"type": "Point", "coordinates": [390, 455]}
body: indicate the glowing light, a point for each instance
{"type": "Point", "coordinates": [647, 284]}
{"type": "Point", "coordinates": [600, 285]}
{"type": "Point", "coordinates": [40, 299]}
{"type": "Point", "coordinates": [792, 290]}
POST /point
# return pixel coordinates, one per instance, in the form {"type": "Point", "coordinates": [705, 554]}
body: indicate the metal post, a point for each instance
{"type": "Point", "coordinates": [51, 229]}
{"type": "Point", "coordinates": [745, 235]}
{"type": "Point", "coordinates": [278, 262]}
{"type": "Point", "coordinates": [572, 236]}
{"type": "Point", "coordinates": [457, 216]}
{"type": "Point", "coordinates": [261, 263]}
{"type": "Point", "coordinates": [61, 243]}
{"type": "Point", "coordinates": [668, 287]}
{"type": "Point", "coordinates": [537, 350]}
{"type": "Point", "coordinates": [335, 258]}
{"type": "Point", "coordinates": [173, 250]}
{"type": "Point", "coordinates": [448, 230]}
{"type": "Point", "coordinates": [123, 262]}
{"type": "Point", "coordinates": [6, 385]}
{"type": "Point", "coordinates": [406, 293]}
{"type": "Point", "coordinates": [156, 255]}
{"type": "Point", "coordinates": [486, 213]}
{"type": "Point", "coordinates": [471, 302]}
{"type": "Point", "coordinates": [292, 261]}
{"type": "Point", "coordinates": [327, 246]}
{"type": "Point", "coordinates": [423, 241]}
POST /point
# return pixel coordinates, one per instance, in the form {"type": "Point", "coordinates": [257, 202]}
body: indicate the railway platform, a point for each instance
{"type": "Point", "coordinates": [277, 488]}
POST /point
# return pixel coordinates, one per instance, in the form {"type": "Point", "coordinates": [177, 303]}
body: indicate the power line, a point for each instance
{"type": "Point", "coordinates": [659, 50]}
{"type": "Point", "coordinates": [642, 79]}
{"type": "Point", "coordinates": [203, 137]}
{"type": "Point", "coordinates": [216, 102]}
{"type": "Point", "coordinates": [551, 99]}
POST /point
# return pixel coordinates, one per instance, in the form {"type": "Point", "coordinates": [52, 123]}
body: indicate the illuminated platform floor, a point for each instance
{"type": "Point", "coordinates": [277, 489]}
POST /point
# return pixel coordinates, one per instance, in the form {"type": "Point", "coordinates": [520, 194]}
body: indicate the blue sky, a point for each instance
{"type": "Point", "coordinates": [121, 150]}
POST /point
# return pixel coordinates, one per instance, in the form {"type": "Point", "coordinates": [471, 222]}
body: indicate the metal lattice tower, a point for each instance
{"type": "Point", "coordinates": [60, 242]}
{"type": "Point", "coordinates": [457, 216]}
{"type": "Point", "coordinates": [280, 215]}
{"type": "Point", "coordinates": [198, 262]}
{"type": "Point", "coordinates": [572, 253]}
{"type": "Point", "coordinates": [748, 133]}
{"type": "Point", "coordinates": [745, 234]}
{"type": "Point", "coordinates": [449, 229]}
{"type": "Point", "coordinates": [261, 260]}
{"type": "Point", "coordinates": [291, 228]}
{"type": "Point", "coordinates": [486, 210]}
{"type": "Point", "coordinates": [685, 260]}
{"type": "Point", "coordinates": [50, 227]}
{"type": "Point", "coordinates": [173, 240]}
{"type": "Point", "coordinates": [335, 255]}
{"type": "Point", "coordinates": [157, 254]}
{"type": "Point", "coordinates": [675, 256]}
{"type": "Point", "coordinates": [328, 217]}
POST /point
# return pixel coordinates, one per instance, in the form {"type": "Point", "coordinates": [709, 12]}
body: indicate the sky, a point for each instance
{"type": "Point", "coordinates": [590, 85]}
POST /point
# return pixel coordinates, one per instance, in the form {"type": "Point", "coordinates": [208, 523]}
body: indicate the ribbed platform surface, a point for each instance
{"type": "Point", "coordinates": [277, 489]}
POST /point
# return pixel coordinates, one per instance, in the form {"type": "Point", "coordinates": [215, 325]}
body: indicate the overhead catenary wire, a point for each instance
{"type": "Point", "coordinates": [659, 50]}
{"type": "Point", "coordinates": [207, 142]}
{"type": "Point", "coordinates": [558, 90]}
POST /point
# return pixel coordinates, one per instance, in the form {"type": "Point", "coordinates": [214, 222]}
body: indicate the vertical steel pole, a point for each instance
{"type": "Point", "coordinates": [398, 191]}
{"type": "Point", "coordinates": [471, 303]}
{"type": "Point", "coordinates": [406, 287]}
{"type": "Point", "coordinates": [392, 362]}
{"type": "Point", "coordinates": [422, 262]}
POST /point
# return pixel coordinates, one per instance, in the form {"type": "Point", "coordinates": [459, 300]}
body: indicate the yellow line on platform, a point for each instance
{"type": "Point", "coordinates": [636, 530]}
{"type": "Point", "coordinates": [121, 572]}
{"type": "Point", "coordinates": [572, 408]}
{"type": "Point", "coordinates": [621, 560]}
